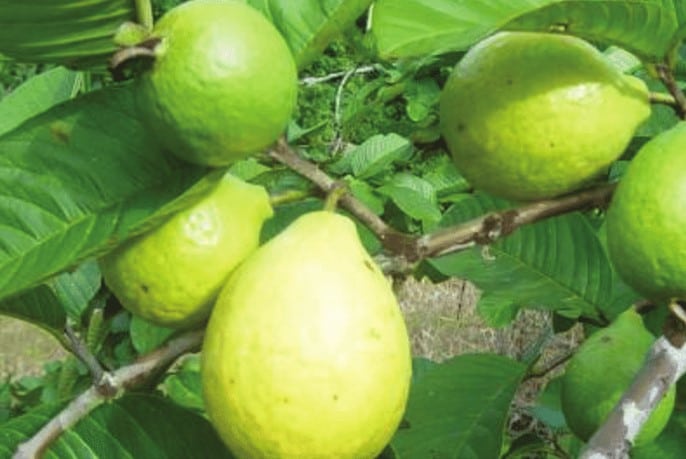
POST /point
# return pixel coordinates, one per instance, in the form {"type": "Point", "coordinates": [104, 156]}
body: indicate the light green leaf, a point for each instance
{"type": "Point", "coordinates": [75, 180]}
{"type": "Point", "coordinates": [184, 386]}
{"type": "Point", "coordinates": [309, 25]}
{"type": "Point", "coordinates": [458, 409]}
{"type": "Point", "coordinates": [556, 264]}
{"type": "Point", "coordinates": [134, 426]}
{"type": "Point", "coordinates": [36, 95]}
{"type": "Point", "coordinates": [405, 28]}
{"type": "Point", "coordinates": [374, 156]}
{"type": "Point", "coordinates": [146, 336]}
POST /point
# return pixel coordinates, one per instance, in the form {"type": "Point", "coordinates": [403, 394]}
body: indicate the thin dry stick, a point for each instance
{"type": "Point", "coordinates": [667, 76]}
{"type": "Point", "coordinates": [110, 385]}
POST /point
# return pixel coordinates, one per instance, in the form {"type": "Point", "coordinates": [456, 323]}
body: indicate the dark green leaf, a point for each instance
{"type": "Point", "coordinates": [36, 95]}
{"type": "Point", "coordinates": [556, 264]}
{"type": "Point", "coordinates": [309, 25]}
{"type": "Point", "coordinates": [420, 27]}
{"type": "Point", "coordinates": [75, 180]}
{"type": "Point", "coordinates": [134, 426]}
{"type": "Point", "coordinates": [458, 409]}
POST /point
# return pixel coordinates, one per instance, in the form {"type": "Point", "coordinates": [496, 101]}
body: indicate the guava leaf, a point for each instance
{"type": "Point", "coordinates": [146, 336]}
{"type": "Point", "coordinates": [556, 264]}
{"type": "Point", "coordinates": [134, 426]}
{"type": "Point", "coordinates": [670, 444]}
{"type": "Point", "coordinates": [374, 156]}
{"type": "Point", "coordinates": [36, 95]}
{"type": "Point", "coordinates": [310, 25]}
{"type": "Point", "coordinates": [184, 386]}
{"type": "Point", "coordinates": [458, 409]}
{"type": "Point", "coordinates": [74, 181]}
{"type": "Point", "coordinates": [407, 28]}
{"type": "Point", "coordinates": [49, 304]}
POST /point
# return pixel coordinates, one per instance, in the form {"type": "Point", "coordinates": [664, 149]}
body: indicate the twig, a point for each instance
{"type": "Point", "coordinates": [79, 348]}
{"type": "Point", "coordinates": [664, 365]}
{"type": "Point", "coordinates": [285, 155]}
{"type": "Point", "coordinates": [489, 227]}
{"type": "Point", "coordinates": [667, 76]}
{"type": "Point", "coordinates": [118, 381]}
{"type": "Point", "coordinates": [550, 367]}
{"type": "Point", "coordinates": [310, 81]}
{"type": "Point", "coordinates": [482, 230]}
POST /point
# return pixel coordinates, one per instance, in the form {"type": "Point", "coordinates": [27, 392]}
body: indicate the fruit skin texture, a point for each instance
{"type": "Point", "coordinates": [530, 116]}
{"type": "Point", "coordinates": [223, 84]}
{"type": "Point", "coordinates": [601, 370]}
{"type": "Point", "coordinates": [306, 353]}
{"type": "Point", "coordinates": [647, 217]}
{"type": "Point", "coordinates": [171, 275]}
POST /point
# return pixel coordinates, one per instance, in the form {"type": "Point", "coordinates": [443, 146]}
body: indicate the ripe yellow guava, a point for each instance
{"type": "Point", "coordinates": [172, 274]}
{"type": "Point", "coordinates": [601, 370]}
{"type": "Point", "coordinates": [306, 353]}
{"type": "Point", "coordinates": [530, 115]}
{"type": "Point", "coordinates": [223, 83]}
{"type": "Point", "coordinates": [647, 217]}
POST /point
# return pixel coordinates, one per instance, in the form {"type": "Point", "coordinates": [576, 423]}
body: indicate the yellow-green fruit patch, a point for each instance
{"type": "Point", "coordinates": [223, 83]}
{"type": "Point", "coordinates": [172, 274]}
{"type": "Point", "coordinates": [533, 115]}
{"type": "Point", "coordinates": [306, 353]}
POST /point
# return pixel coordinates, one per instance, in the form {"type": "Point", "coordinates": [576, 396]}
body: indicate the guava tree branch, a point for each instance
{"type": "Point", "coordinates": [110, 386]}
{"type": "Point", "coordinates": [664, 365]}
{"type": "Point", "coordinates": [666, 75]}
{"type": "Point", "coordinates": [482, 230]}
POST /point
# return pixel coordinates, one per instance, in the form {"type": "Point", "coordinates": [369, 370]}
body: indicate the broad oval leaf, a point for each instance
{"type": "Point", "coordinates": [310, 25]}
{"type": "Point", "coordinates": [36, 95]}
{"type": "Point", "coordinates": [134, 426]}
{"type": "Point", "coordinates": [458, 409]}
{"type": "Point", "coordinates": [76, 179]}
{"type": "Point", "coordinates": [405, 28]}
{"type": "Point", "coordinates": [557, 264]}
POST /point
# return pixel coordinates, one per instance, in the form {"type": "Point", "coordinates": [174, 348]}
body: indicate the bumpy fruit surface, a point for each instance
{"type": "Point", "coordinates": [601, 370]}
{"type": "Point", "coordinates": [306, 353]}
{"type": "Point", "coordinates": [532, 115]}
{"type": "Point", "coordinates": [172, 275]}
{"type": "Point", "coordinates": [647, 217]}
{"type": "Point", "coordinates": [223, 83]}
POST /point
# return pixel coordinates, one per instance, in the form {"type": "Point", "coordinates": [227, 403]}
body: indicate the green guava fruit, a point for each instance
{"type": "Point", "coordinates": [306, 353]}
{"type": "Point", "coordinates": [531, 116]}
{"type": "Point", "coordinates": [172, 274]}
{"type": "Point", "coordinates": [223, 83]}
{"type": "Point", "coordinates": [647, 216]}
{"type": "Point", "coordinates": [601, 370]}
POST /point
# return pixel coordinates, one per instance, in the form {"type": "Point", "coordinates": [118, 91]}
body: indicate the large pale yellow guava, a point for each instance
{"type": "Point", "coordinates": [646, 220]}
{"type": "Point", "coordinates": [534, 115]}
{"type": "Point", "coordinates": [171, 275]}
{"type": "Point", "coordinates": [601, 370]}
{"type": "Point", "coordinates": [222, 85]}
{"type": "Point", "coordinates": [306, 353]}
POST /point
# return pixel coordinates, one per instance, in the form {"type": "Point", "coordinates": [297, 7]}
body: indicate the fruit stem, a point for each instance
{"type": "Point", "coordinates": [334, 195]}
{"type": "Point", "coordinates": [288, 196]}
{"type": "Point", "coordinates": [144, 13]}
{"type": "Point", "coordinates": [667, 76]}
{"type": "Point", "coordinates": [663, 98]}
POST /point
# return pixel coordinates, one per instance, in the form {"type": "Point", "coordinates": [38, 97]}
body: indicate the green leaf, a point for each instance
{"type": "Point", "coordinates": [414, 196]}
{"type": "Point", "coordinates": [406, 28]}
{"type": "Point", "coordinates": [670, 444]}
{"type": "Point", "coordinates": [184, 386]}
{"type": "Point", "coordinates": [36, 95]}
{"type": "Point", "coordinates": [373, 156]}
{"type": "Point", "coordinates": [309, 25]}
{"type": "Point", "coordinates": [365, 193]}
{"type": "Point", "coordinates": [458, 409]}
{"type": "Point", "coordinates": [146, 336]}
{"type": "Point", "coordinates": [134, 426]}
{"type": "Point", "coordinates": [77, 179]}
{"type": "Point", "coordinates": [556, 264]}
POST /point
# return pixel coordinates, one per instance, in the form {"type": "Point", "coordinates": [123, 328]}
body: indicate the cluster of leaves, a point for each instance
{"type": "Point", "coordinates": [79, 174]}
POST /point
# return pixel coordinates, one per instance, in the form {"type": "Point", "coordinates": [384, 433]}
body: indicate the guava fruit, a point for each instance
{"type": "Point", "coordinates": [601, 370]}
{"type": "Point", "coordinates": [530, 115]}
{"type": "Point", "coordinates": [222, 85]}
{"type": "Point", "coordinates": [647, 216]}
{"type": "Point", "coordinates": [172, 274]}
{"type": "Point", "coordinates": [306, 353]}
